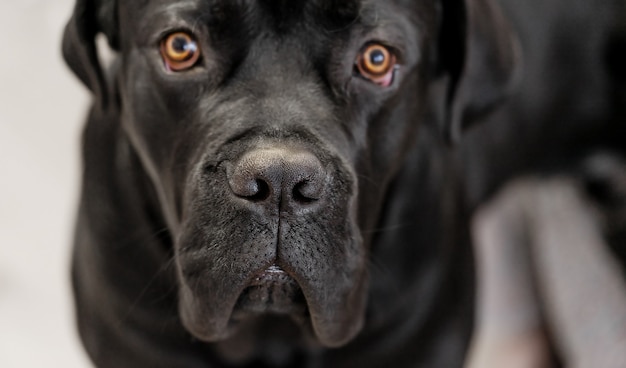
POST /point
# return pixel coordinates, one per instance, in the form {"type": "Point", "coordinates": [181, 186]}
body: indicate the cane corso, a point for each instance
{"type": "Point", "coordinates": [269, 183]}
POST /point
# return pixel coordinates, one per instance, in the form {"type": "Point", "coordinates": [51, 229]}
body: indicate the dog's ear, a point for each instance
{"type": "Point", "coordinates": [481, 54]}
{"type": "Point", "coordinates": [90, 18]}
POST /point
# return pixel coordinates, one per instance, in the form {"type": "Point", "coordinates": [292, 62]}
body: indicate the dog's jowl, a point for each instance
{"type": "Point", "coordinates": [269, 183]}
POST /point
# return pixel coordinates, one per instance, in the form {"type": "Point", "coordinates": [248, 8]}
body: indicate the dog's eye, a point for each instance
{"type": "Point", "coordinates": [180, 51]}
{"type": "Point", "coordinates": [377, 64]}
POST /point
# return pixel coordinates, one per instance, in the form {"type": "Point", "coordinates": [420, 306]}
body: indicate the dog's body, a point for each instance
{"type": "Point", "coordinates": [270, 207]}
{"type": "Point", "coordinates": [569, 104]}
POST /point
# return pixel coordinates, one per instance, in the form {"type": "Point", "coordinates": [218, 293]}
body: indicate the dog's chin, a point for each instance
{"type": "Point", "coordinates": [273, 293]}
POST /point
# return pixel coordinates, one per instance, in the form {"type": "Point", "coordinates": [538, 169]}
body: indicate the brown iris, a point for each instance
{"type": "Point", "coordinates": [376, 63]}
{"type": "Point", "coordinates": [180, 51]}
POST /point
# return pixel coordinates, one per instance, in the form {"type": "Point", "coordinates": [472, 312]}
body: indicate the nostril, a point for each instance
{"type": "Point", "coordinates": [305, 193]}
{"type": "Point", "coordinates": [262, 191]}
{"type": "Point", "coordinates": [252, 189]}
{"type": "Point", "coordinates": [250, 186]}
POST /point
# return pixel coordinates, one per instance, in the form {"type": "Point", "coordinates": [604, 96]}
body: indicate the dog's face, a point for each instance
{"type": "Point", "coordinates": [261, 145]}
{"type": "Point", "coordinates": [270, 130]}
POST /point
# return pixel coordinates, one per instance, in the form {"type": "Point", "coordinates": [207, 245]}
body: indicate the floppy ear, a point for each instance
{"type": "Point", "coordinates": [79, 48]}
{"type": "Point", "coordinates": [483, 58]}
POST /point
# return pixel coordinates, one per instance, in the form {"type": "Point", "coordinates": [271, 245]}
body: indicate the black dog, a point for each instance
{"type": "Point", "coordinates": [268, 182]}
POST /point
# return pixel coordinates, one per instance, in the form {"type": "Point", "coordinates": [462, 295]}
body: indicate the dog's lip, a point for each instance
{"type": "Point", "coordinates": [271, 290]}
{"type": "Point", "coordinates": [271, 273]}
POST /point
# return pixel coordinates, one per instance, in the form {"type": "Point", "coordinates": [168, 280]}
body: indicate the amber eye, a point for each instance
{"type": "Point", "coordinates": [377, 64]}
{"type": "Point", "coordinates": [180, 51]}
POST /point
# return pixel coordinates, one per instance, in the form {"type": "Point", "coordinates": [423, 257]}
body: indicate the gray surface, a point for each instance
{"type": "Point", "coordinates": [41, 110]}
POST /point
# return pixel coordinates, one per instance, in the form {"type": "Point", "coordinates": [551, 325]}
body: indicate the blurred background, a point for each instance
{"type": "Point", "coordinates": [42, 107]}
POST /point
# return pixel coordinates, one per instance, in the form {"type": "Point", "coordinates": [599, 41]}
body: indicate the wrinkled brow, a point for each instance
{"type": "Point", "coordinates": [339, 9]}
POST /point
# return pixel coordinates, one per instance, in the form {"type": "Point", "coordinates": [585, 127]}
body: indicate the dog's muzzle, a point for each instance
{"type": "Point", "coordinates": [273, 231]}
{"type": "Point", "coordinates": [283, 182]}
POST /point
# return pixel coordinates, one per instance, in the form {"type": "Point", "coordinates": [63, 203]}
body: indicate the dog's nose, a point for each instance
{"type": "Point", "coordinates": [282, 178]}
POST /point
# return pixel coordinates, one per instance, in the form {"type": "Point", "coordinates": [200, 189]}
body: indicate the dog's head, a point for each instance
{"type": "Point", "coordinates": [270, 130]}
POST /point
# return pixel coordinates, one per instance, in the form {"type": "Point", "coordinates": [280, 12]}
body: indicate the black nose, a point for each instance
{"type": "Point", "coordinates": [282, 178]}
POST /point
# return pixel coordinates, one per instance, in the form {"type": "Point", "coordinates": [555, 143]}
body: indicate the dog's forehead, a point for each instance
{"type": "Point", "coordinates": [335, 13]}
{"type": "Point", "coordinates": [345, 8]}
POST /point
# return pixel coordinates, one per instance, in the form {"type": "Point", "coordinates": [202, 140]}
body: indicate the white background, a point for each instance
{"type": "Point", "coordinates": [42, 107]}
